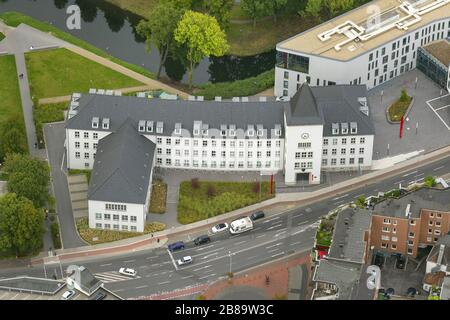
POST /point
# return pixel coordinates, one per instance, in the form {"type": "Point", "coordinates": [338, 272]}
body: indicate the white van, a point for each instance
{"type": "Point", "coordinates": [241, 225]}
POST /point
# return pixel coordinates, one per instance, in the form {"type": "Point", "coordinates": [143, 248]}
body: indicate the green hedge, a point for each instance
{"type": "Point", "coordinates": [54, 228]}
{"type": "Point", "coordinates": [195, 204]}
{"type": "Point", "coordinates": [47, 113]}
{"type": "Point", "coordinates": [14, 19]}
{"type": "Point", "coordinates": [239, 88]}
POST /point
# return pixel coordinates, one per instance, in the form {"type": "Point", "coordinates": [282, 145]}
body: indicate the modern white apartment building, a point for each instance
{"type": "Point", "coordinates": [368, 45]}
{"type": "Point", "coordinates": [122, 138]}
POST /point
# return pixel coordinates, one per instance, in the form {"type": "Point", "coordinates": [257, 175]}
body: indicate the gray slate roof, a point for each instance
{"type": "Point", "coordinates": [122, 166]}
{"type": "Point", "coordinates": [303, 108]}
{"type": "Point", "coordinates": [348, 237]}
{"type": "Point", "coordinates": [432, 199]}
{"type": "Point", "coordinates": [339, 104]}
{"type": "Point", "coordinates": [213, 113]}
{"type": "Point", "coordinates": [343, 274]}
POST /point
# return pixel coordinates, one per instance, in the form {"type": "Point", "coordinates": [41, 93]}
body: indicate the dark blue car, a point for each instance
{"type": "Point", "coordinates": [176, 246]}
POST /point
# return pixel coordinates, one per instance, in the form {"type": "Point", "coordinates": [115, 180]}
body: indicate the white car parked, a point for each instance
{"type": "Point", "coordinates": [184, 260]}
{"type": "Point", "coordinates": [68, 294]}
{"type": "Point", "coordinates": [283, 98]}
{"type": "Point", "coordinates": [219, 227]}
{"type": "Point", "coordinates": [128, 272]}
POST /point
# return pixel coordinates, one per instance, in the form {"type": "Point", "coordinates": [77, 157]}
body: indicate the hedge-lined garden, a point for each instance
{"type": "Point", "coordinates": [103, 236]}
{"type": "Point", "coordinates": [199, 200]}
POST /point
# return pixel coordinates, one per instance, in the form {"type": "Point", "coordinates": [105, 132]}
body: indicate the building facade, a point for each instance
{"type": "Point", "coordinates": [434, 61]}
{"type": "Point", "coordinates": [328, 128]}
{"type": "Point", "coordinates": [345, 50]}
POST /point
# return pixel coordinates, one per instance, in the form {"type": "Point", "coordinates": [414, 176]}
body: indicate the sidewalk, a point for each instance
{"type": "Point", "coordinates": [286, 200]}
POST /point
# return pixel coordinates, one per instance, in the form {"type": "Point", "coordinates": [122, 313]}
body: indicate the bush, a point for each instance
{"type": "Point", "coordinates": [195, 183]}
{"type": "Point", "coordinates": [361, 201]}
{"type": "Point", "coordinates": [430, 182]}
{"type": "Point", "coordinates": [404, 96]}
{"type": "Point", "coordinates": [239, 88]}
{"type": "Point", "coordinates": [44, 114]}
{"type": "Point", "coordinates": [211, 191]}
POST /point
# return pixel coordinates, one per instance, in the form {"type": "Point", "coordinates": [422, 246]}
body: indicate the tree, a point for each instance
{"type": "Point", "coordinates": [313, 8]}
{"type": "Point", "coordinates": [257, 8]}
{"type": "Point", "coordinates": [404, 96]}
{"type": "Point", "coordinates": [220, 9]}
{"type": "Point", "coordinates": [28, 177]}
{"type": "Point", "coordinates": [335, 6]}
{"type": "Point", "coordinates": [277, 6]}
{"type": "Point", "coordinates": [159, 29]}
{"type": "Point", "coordinates": [202, 37]}
{"type": "Point", "coordinates": [21, 225]}
{"type": "Point", "coordinates": [361, 201]}
{"type": "Point", "coordinates": [12, 136]}
{"type": "Point", "coordinates": [430, 182]}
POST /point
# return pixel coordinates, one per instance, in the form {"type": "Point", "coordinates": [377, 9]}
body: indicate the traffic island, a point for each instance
{"type": "Point", "coordinates": [400, 108]}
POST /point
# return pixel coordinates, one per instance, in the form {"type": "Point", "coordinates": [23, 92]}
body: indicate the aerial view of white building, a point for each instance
{"type": "Point", "coordinates": [122, 138]}
{"type": "Point", "coordinates": [368, 45]}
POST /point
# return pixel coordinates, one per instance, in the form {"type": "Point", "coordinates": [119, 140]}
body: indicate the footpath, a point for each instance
{"type": "Point", "coordinates": [282, 202]}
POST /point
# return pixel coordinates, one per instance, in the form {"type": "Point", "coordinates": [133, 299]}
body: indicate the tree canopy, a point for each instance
{"type": "Point", "coordinates": [220, 9]}
{"type": "Point", "coordinates": [257, 8]}
{"type": "Point", "coordinates": [158, 30]}
{"type": "Point", "coordinates": [28, 177]}
{"type": "Point", "coordinates": [12, 136]}
{"type": "Point", "coordinates": [202, 37]}
{"type": "Point", "coordinates": [21, 225]}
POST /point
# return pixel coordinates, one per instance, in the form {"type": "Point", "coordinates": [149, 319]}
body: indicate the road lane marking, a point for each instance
{"type": "Point", "coordinates": [273, 250]}
{"type": "Point", "coordinates": [252, 257]}
{"type": "Point", "coordinates": [141, 287]}
{"type": "Point", "coordinates": [173, 260]}
{"type": "Point", "coordinates": [209, 275]}
{"type": "Point", "coordinates": [398, 182]}
{"type": "Point", "coordinates": [119, 290]}
{"type": "Point", "coordinates": [205, 267]}
{"type": "Point", "coordinates": [277, 254]}
{"type": "Point", "coordinates": [106, 264]}
{"type": "Point", "coordinates": [420, 174]}
{"type": "Point", "coordinates": [338, 202]}
{"type": "Point", "coordinates": [240, 242]}
{"type": "Point", "coordinates": [438, 168]}
{"type": "Point", "coordinates": [272, 219]}
{"type": "Point", "coordinates": [279, 233]}
{"type": "Point", "coordinates": [203, 248]}
{"type": "Point", "coordinates": [209, 255]}
{"type": "Point", "coordinates": [297, 215]}
{"type": "Point", "coordinates": [410, 173]}
{"type": "Point", "coordinates": [187, 277]}
{"type": "Point", "coordinates": [260, 236]}
{"type": "Point", "coordinates": [360, 195]}
{"type": "Point", "coordinates": [272, 227]}
{"type": "Point", "coordinates": [151, 257]}
{"type": "Point", "coordinates": [341, 197]}
{"type": "Point", "coordinates": [128, 261]}
{"type": "Point", "coordinates": [155, 265]}
{"type": "Point", "coordinates": [294, 243]}
{"type": "Point", "coordinates": [274, 245]}
{"type": "Point", "coordinates": [165, 282]}
{"type": "Point", "coordinates": [113, 276]}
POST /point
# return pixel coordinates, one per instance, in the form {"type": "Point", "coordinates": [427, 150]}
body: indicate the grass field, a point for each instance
{"type": "Point", "coordinates": [9, 88]}
{"type": "Point", "coordinates": [47, 113]}
{"type": "Point", "coordinates": [15, 18]}
{"type": "Point", "coordinates": [61, 72]}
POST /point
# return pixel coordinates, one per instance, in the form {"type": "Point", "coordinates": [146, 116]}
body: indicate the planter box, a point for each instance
{"type": "Point", "coordinates": [406, 113]}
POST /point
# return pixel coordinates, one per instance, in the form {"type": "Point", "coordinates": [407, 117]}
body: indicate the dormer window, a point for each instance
{"type": "Point", "coordinates": [251, 133]}
{"type": "Point", "coordinates": [277, 130]}
{"type": "Point", "coordinates": [223, 130]}
{"type": "Point", "coordinates": [141, 126]}
{"type": "Point", "coordinates": [159, 127]}
{"type": "Point", "coordinates": [177, 128]}
{"type": "Point", "coordinates": [105, 123]}
{"type": "Point", "coordinates": [353, 128]}
{"type": "Point", "coordinates": [232, 130]}
{"type": "Point", "coordinates": [344, 128]}
{"type": "Point", "coordinates": [95, 122]}
{"type": "Point", "coordinates": [149, 126]}
{"type": "Point", "coordinates": [205, 132]}
{"type": "Point", "coordinates": [334, 128]}
{"type": "Point", "coordinates": [259, 130]}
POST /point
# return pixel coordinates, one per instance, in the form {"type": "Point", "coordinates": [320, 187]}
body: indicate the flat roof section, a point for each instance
{"type": "Point", "coordinates": [354, 33]}
{"type": "Point", "coordinates": [440, 50]}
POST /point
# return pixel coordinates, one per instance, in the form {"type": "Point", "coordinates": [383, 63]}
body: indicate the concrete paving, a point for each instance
{"type": "Point", "coordinates": [78, 187]}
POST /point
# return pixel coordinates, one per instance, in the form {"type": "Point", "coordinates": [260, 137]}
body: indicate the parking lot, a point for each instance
{"type": "Point", "coordinates": [441, 107]}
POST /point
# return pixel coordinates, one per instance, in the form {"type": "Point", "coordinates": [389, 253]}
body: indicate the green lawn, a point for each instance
{"type": "Point", "coordinates": [398, 109]}
{"type": "Point", "coordinates": [47, 113]}
{"type": "Point", "coordinates": [61, 72]}
{"type": "Point", "coordinates": [210, 199]}
{"type": "Point", "coordinates": [2, 36]}
{"type": "Point", "coordinates": [15, 18]}
{"type": "Point", "coordinates": [9, 88]}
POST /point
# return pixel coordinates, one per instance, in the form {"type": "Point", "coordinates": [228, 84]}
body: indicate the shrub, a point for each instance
{"type": "Point", "coordinates": [44, 114]}
{"type": "Point", "coordinates": [54, 228]}
{"type": "Point", "coordinates": [211, 191]}
{"type": "Point", "coordinates": [430, 182]}
{"type": "Point", "coordinates": [158, 197]}
{"type": "Point", "coordinates": [361, 201]}
{"type": "Point", "coordinates": [195, 183]}
{"type": "Point", "coordinates": [404, 96]}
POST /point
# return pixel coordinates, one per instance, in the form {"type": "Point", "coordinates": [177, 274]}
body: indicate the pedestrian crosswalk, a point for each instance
{"type": "Point", "coordinates": [113, 276]}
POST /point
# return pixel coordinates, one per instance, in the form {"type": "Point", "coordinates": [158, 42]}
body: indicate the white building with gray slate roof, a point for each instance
{"type": "Point", "coordinates": [320, 128]}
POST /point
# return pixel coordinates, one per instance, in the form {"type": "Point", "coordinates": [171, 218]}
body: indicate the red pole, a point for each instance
{"type": "Point", "coordinates": [271, 184]}
{"type": "Point", "coordinates": [401, 126]}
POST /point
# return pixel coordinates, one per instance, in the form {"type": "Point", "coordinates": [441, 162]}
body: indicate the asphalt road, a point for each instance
{"type": "Point", "coordinates": [274, 237]}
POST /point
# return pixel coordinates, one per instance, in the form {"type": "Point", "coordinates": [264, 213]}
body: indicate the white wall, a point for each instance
{"type": "Point", "coordinates": [293, 137]}
{"type": "Point", "coordinates": [80, 163]}
{"type": "Point", "coordinates": [138, 210]}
